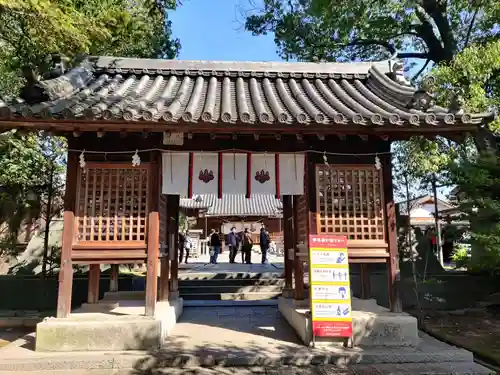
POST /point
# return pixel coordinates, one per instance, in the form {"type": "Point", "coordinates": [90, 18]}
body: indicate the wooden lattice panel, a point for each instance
{"type": "Point", "coordinates": [112, 202]}
{"type": "Point", "coordinates": [349, 200]}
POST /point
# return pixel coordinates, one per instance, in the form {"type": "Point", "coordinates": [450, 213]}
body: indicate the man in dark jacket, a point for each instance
{"type": "Point", "coordinates": [265, 240]}
{"type": "Point", "coordinates": [215, 243]}
{"type": "Point", "coordinates": [232, 241]}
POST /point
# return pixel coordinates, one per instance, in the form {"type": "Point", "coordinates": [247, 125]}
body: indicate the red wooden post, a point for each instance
{"type": "Point", "coordinates": [365, 281]}
{"type": "Point", "coordinates": [153, 235]}
{"type": "Point", "coordinates": [94, 277]}
{"type": "Point", "coordinates": [113, 282]}
{"type": "Point", "coordinates": [173, 218]}
{"type": "Point", "coordinates": [288, 241]}
{"type": "Point", "coordinates": [299, 293]}
{"type": "Point", "coordinates": [393, 273]}
{"type": "Point", "coordinates": [165, 262]}
{"type": "Point", "coordinates": [66, 271]}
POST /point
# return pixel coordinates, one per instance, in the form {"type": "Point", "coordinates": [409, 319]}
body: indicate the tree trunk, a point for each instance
{"type": "Point", "coordinates": [48, 217]}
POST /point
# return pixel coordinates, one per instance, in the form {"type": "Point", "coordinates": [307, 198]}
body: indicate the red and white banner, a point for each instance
{"type": "Point", "coordinates": [175, 179]}
{"type": "Point", "coordinates": [234, 173]}
{"type": "Point", "coordinates": [263, 174]}
{"type": "Point", "coordinates": [291, 174]}
{"type": "Point", "coordinates": [205, 177]}
{"type": "Point", "coordinates": [192, 173]}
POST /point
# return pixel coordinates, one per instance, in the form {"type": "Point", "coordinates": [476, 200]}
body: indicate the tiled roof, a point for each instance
{"type": "Point", "coordinates": [235, 205]}
{"type": "Point", "coordinates": [173, 91]}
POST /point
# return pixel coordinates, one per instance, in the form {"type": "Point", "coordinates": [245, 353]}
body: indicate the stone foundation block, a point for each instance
{"type": "Point", "coordinates": [98, 332]}
{"type": "Point", "coordinates": [370, 328]}
{"type": "Point", "coordinates": [168, 313]}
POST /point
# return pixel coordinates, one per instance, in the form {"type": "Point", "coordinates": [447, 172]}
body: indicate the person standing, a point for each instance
{"type": "Point", "coordinates": [247, 246]}
{"type": "Point", "coordinates": [182, 242]}
{"type": "Point", "coordinates": [232, 241]}
{"type": "Point", "coordinates": [215, 243]}
{"type": "Point", "coordinates": [264, 243]}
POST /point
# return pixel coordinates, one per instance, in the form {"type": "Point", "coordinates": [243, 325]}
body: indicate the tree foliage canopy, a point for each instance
{"type": "Point", "coordinates": [434, 30]}
{"type": "Point", "coordinates": [31, 30]}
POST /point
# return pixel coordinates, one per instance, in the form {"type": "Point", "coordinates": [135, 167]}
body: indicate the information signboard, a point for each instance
{"type": "Point", "coordinates": [329, 286]}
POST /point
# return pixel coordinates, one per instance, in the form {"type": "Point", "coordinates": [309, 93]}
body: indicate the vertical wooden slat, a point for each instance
{"type": "Point", "coordinates": [78, 208]}
{"type": "Point", "coordinates": [173, 220]}
{"type": "Point", "coordinates": [132, 209]}
{"type": "Point", "coordinates": [355, 179]}
{"type": "Point", "coordinates": [86, 203]}
{"type": "Point", "coordinates": [101, 204]}
{"type": "Point", "coordinates": [66, 269]}
{"type": "Point", "coordinates": [117, 197]}
{"type": "Point", "coordinates": [108, 213]}
{"type": "Point", "coordinates": [139, 213]}
{"type": "Point", "coordinates": [124, 207]}
{"type": "Point", "coordinates": [92, 208]}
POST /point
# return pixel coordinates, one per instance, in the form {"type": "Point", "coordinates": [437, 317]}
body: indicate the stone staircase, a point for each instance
{"type": "Point", "coordinates": [243, 286]}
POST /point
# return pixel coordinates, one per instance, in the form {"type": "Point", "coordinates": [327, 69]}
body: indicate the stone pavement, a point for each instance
{"type": "Point", "coordinates": [202, 265]}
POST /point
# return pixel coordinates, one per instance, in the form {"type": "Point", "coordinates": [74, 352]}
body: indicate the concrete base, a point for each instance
{"type": "Point", "coordinates": [168, 313]}
{"type": "Point", "coordinates": [287, 293]}
{"type": "Point", "coordinates": [109, 326]}
{"type": "Point", "coordinates": [372, 326]}
{"type": "Point", "coordinates": [98, 332]}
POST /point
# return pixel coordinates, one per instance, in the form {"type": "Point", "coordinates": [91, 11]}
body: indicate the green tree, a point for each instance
{"type": "Point", "coordinates": [433, 30]}
{"type": "Point", "coordinates": [31, 30]}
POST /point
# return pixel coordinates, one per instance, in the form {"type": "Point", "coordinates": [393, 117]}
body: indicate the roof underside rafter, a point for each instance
{"type": "Point", "coordinates": [237, 94]}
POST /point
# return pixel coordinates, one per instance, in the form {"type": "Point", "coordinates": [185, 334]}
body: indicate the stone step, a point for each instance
{"type": "Point", "coordinates": [229, 275]}
{"type": "Point", "coordinates": [232, 282]}
{"type": "Point", "coordinates": [204, 289]}
{"type": "Point", "coordinates": [250, 296]}
{"type": "Point", "coordinates": [230, 303]}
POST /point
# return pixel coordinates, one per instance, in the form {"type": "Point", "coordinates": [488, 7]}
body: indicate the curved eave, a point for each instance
{"type": "Point", "coordinates": [305, 95]}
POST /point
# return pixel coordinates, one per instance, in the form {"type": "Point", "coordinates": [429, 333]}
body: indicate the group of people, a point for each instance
{"type": "Point", "coordinates": [241, 242]}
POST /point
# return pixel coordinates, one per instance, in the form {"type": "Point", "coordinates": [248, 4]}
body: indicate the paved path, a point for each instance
{"type": "Point", "coordinates": [202, 264]}
{"type": "Point", "coordinates": [233, 332]}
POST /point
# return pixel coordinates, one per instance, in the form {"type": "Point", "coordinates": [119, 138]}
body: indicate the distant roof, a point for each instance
{"type": "Point", "coordinates": [175, 91]}
{"type": "Point", "coordinates": [235, 205]}
{"type": "Point", "coordinates": [421, 200]}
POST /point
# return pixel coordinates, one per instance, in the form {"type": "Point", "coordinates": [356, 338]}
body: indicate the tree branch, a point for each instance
{"type": "Point", "coordinates": [421, 70]}
{"type": "Point", "coordinates": [469, 31]}
{"type": "Point", "coordinates": [390, 47]}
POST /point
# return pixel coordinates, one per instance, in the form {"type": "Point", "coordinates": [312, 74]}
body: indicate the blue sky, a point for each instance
{"type": "Point", "coordinates": [214, 30]}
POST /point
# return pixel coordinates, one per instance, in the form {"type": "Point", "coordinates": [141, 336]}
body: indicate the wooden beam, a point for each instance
{"type": "Point", "coordinates": [153, 234]}
{"type": "Point", "coordinates": [94, 278]}
{"type": "Point", "coordinates": [66, 268]}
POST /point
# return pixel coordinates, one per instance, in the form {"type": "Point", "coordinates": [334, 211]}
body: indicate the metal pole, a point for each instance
{"type": "Point", "coordinates": [436, 220]}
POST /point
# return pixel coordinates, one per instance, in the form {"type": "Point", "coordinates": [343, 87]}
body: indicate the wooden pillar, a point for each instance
{"type": "Point", "coordinates": [113, 282]}
{"type": "Point", "coordinates": [173, 220]}
{"type": "Point", "coordinates": [393, 273]}
{"type": "Point", "coordinates": [165, 260]}
{"type": "Point", "coordinates": [366, 292]}
{"type": "Point", "coordinates": [298, 266]}
{"type": "Point", "coordinates": [288, 242]}
{"type": "Point", "coordinates": [94, 278]}
{"type": "Point", "coordinates": [66, 271]}
{"type": "Point", "coordinates": [153, 234]}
